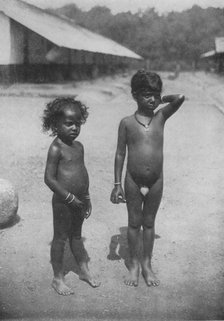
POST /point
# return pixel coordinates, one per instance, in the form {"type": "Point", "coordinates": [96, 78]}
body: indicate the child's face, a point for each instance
{"type": "Point", "coordinates": [148, 100]}
{"type": "Point", "coordinates": [69, 124]}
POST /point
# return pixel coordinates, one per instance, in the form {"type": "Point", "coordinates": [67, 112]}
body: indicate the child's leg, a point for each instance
{"type": "Point", "coordinates": [78, 249]}
{"type": "Point", "coordinates": [62, 222]}
{"type": "Point", "coordinates": [135, 218]}
{"type": "Point", "coordinates": [150, 208]}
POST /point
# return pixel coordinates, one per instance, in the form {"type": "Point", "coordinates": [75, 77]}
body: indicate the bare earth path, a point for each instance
{"type": "Point", "coordinates": [188, 254]}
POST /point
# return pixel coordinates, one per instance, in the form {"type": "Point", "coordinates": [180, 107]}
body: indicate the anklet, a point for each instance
{"type": "Point", "coordinates": [118, 183]}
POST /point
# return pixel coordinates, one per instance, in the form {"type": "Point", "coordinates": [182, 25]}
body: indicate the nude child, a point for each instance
{"type": "Point", "coordinates": [141, 135]}
{"type": "Point", "coordinates": [67, 177]}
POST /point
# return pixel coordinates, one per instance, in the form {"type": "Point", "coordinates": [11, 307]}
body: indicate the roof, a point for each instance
{"type": "Point", "coordinates": [219, 48]}
{"type": "Point", "coordinates": [208, 54]}
{"type": "Point", "coordinates": [61, 31]}
{"type": "Point", "coordinates": [219, 44]}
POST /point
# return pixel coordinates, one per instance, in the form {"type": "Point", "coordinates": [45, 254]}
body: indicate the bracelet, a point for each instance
{"type": "Point", "coordinates": [87, 197]}
{"type": "Point", "coordinates": [118, 183]}
{"type": "Point", "coordinates": [73, 197]}
{"type": "Point", "coordinates": [67, 196]}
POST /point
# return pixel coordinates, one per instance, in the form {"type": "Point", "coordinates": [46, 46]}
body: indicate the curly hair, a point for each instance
{"type": "Point", "coordinates": [54, 110]}
{"type": "Point", "coordinates": [145, 80]}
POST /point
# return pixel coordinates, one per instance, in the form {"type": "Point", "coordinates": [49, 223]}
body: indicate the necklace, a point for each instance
{"type": "Point", "coordinates": [146, 126]}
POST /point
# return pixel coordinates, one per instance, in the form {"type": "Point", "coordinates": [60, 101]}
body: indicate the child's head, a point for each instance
{"type": "Point", "coordinates": [146, 81]}
{"type": "Point", "coordinates": [64, 111]}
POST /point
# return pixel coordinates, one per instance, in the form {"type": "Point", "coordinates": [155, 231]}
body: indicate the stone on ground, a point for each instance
{"type": "Point", "coordinates": [8, 202]}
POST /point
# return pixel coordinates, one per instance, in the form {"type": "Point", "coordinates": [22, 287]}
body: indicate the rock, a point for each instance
{"type": "Point", "coordinates": [8, 202]}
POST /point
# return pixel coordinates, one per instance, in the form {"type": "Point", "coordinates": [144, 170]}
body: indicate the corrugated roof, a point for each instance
{"type": "Point", "coordinates": [62, 32]}
{"type": "Point", "coordinates": [219, 44]}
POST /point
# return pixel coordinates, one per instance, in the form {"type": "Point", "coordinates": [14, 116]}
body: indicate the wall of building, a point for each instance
{"type": "Point", "coordinates": [25, 56]}
{"type": "Point", "coordinates": [17, 43]}
{"type": "Point", "coordinates": [5, 40]}
{"type": "Point", "coordinates": [37, 48]}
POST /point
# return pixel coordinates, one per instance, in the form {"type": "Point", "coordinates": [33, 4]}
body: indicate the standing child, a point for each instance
{"type": "Point", "coordinates": [142, 134]}
{"type": "Point", "coordinates": [67, 177]}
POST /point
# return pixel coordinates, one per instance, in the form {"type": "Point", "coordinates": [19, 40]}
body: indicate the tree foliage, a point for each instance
{"type": "Point", "coordinates": [163, 39]}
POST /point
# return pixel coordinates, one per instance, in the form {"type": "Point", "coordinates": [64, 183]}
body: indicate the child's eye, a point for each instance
{"type": "Point", "coordinates": [69, 124]}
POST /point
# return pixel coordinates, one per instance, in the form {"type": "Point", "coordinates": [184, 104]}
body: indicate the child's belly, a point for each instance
{"type": "Point", "coordinates": [145, 165]}
{"type": "Point", "coordinates": [74, 179]}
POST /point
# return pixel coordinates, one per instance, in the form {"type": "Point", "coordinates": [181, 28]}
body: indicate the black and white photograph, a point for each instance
{"type": "Point", "coordinates": [111, 160]}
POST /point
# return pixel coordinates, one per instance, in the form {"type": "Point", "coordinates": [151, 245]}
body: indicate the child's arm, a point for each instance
{"type": "Point", "coordinates": [174, 103]}
{"type": "Point", "coordinates": [117, 194]}
{"type": "Point", "coordinates": [88, 206]}
{"type": "Point", "coordinates": [50, 177]}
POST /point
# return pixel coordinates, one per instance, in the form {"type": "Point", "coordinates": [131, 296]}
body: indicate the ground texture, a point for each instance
{"type": "Point", "coordinates": [188, 253]}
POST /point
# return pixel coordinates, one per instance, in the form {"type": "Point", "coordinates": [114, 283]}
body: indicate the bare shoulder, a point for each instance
{"type": "Point", "coordinates": [77, 144]}
{"type": "Point", "coordinates": [126, 120]}
{"type": "Point", "coordinates": [54, 151]}
{"type": "Point", "coordinates": [55, 146]}
{"type": "Point", "coordinates": [159, 113]}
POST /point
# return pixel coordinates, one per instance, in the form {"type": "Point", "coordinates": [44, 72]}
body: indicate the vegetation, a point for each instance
{"type": "Point", "coordinates": [163, 39]}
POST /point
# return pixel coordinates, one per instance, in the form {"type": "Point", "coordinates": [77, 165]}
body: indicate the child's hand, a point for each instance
{"type": "Point", "coordinates": [75, 202]}
{"type": "Point", "coordinates": [161, 100]}
{"type": "Point", "coordinates": [117, 195]}
{"type": "Point", "coordinates": [87, 209]}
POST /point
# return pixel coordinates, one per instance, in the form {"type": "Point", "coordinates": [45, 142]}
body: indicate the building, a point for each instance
{"type": "Point", "coordinates": [38, 46]}
{"type": "Point", "coordinates": [215, 58]}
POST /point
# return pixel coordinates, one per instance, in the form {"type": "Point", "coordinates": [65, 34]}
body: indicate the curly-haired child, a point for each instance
{"type": "Point", "coordinates": [67, 177]}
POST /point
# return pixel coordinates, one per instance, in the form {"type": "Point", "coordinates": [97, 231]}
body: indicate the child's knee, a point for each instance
{"type": "Point", "coordinates": [135, 223]}
{"type": "Point", "coordinates": [77, 237]}
{"type": "Point", "coordinates": [148, 223]}
{"type": "Point", "coordinates": [59, 241]}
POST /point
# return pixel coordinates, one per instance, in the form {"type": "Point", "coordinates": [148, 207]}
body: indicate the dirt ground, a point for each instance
{"type": "Point", "coordinates": [188, 253]}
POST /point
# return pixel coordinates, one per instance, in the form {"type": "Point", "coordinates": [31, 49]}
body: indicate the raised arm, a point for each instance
{"type": "Point", "coordinates": [117, 194]}
{"type": "Point", "coordinates": [174, 103]}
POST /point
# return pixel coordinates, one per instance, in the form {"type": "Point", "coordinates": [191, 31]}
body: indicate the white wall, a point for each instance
{"type": "Point", "coordinates": [5, 43]}
{"type": "Point", "coordinates": [17, 43]}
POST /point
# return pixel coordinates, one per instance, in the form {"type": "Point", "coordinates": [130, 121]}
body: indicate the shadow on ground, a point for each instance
{"type": "Point", "coordinates": [119, 246]}
{"type": "Point", "coordinates": [70, 264]}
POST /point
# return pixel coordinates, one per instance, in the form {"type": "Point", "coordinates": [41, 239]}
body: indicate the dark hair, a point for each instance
{"type": "Point", "coordinates": [146, 80]}
{"type": "Point", "coordinates": [54, 110]}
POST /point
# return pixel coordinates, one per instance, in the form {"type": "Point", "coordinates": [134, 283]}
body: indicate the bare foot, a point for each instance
{"type": "Point", "coordinates": [132, 280]}
{"type": "Point", "coordinates": [85, 276]}
{"type": "Point", "coordinates": [60, 287]}
{"type": "Point", "coordinates": [150, 277]}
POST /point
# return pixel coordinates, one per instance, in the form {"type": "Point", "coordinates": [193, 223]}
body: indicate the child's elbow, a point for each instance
{"type": "Point", "coordinates": [120, 155]}
{"type": "Point", "coordinates": [181, 98]}
{"type": "Point", "coordinates": [47, 180]}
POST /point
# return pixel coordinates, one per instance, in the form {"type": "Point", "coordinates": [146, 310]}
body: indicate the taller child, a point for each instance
{"type": "Point", "coordinates": [142, 134]}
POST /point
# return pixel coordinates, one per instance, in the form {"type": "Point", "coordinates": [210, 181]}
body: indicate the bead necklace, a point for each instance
{"type": "Point", "coordinates": [146, 126]}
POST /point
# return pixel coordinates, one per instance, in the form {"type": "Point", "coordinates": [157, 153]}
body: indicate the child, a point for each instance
{"type": "Point", "coordinates": [67, 177]}
{"type": "Point", "coordinates": [142, 134]}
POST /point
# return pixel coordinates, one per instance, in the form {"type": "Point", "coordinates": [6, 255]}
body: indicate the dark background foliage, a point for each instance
{"type": "Point", "coordinates": [163, 39]}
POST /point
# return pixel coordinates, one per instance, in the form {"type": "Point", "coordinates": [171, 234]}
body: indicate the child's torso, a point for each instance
{"type": "Point", "coordinates": [145, 150]}
{"type": "Point", "coordinates": [72, 173]}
